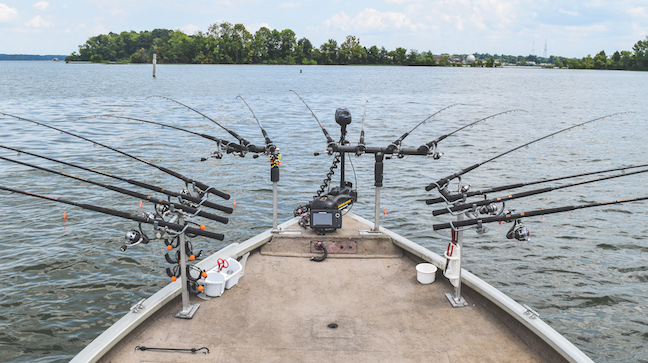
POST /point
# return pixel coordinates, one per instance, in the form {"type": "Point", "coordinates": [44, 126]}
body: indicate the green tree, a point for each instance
{"type": "Point", "coordinates": [259, 45]}
{"type": "Point", "coordinates": [641, 54]}
{"type": "Point", "coordinates": [413, 57]}
{"type": "Point", "coordinates": [351, 52]}
{"type": "Point", "coordinates": [400, 57]}
{"type": "Point", "coordinates": [329, 52]}
{"type": "Point", "coordinates": [181, 48]}
{"type": "Point", "coordinates": [600, 60]}
{"type": "Point", "coordinates": [304, 50]}
{"type": "Point", "coordinates": [373, 55]}
{"type": "Point", "coordinates": [287, 43]}
{"type": "Point", "coordinates": [140, 56]}
{"type": "Point", "coordinates": [428, 59]}
{"type": "Point", "coordinates": [627, 60]}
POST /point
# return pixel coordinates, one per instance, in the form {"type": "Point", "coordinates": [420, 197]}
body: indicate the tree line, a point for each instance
{"type": "Point", "coordinates": [226, 43]}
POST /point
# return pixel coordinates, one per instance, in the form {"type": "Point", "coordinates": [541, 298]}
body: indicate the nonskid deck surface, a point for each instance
{"type": "Point", "coordinates": [283, 309]}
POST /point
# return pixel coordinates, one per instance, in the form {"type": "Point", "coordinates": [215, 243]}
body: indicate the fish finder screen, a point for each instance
{"type": "Point", "coordinates": [322, 219]}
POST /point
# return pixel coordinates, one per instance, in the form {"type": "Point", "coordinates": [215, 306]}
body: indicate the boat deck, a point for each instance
{"type": "Point", "coordinates": [284, 306]}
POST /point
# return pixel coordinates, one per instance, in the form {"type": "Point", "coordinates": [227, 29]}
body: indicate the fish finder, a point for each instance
{"type": "Point", "coordinates": [326, 211]}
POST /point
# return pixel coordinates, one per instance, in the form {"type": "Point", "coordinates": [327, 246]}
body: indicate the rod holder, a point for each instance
{"type": "Point", "coordinates": [188, 310]}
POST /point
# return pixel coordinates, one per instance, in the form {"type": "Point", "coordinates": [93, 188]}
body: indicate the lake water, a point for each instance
{"type": "Point", "coordinates": [65, 281]}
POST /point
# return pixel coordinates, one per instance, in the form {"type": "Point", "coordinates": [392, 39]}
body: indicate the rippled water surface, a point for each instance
{"type": "Point", "coordinates": [64, 282]}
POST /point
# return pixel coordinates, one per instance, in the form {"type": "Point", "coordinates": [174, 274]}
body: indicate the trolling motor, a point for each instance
{"type": "Point", "coordinates": [326, 211]}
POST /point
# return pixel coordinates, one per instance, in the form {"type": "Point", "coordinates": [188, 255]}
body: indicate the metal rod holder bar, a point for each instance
{"type": "Point", "coordinates": [188, 310]}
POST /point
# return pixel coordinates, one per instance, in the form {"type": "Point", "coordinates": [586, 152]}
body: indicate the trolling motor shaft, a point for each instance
{"type": "Point", "coordinates": [326, 211]}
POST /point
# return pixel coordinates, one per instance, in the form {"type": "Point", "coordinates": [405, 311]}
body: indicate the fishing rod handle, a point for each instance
{"type": "Point", "coordinates": [207, 189]}
{"type": "Point", "coordinates": [213, 217]}
{"type": "Point", "coordinates": [441, 182]}
{"type": "Point", "coordinates": [198, 231]}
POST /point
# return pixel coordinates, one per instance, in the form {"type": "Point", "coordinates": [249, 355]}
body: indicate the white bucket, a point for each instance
{"type": "Point", "coordinates": [425, 273]}
{"type": "Point", "coordinates": [232, 273]}
{"type": "Point", "coordinates": [214, 284]}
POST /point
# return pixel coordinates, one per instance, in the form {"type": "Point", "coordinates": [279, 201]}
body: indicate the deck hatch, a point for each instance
{"type": "Point", "coordinates": [336, 247]}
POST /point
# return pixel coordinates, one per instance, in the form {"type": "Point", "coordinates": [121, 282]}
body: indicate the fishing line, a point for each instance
{"type": "Point", "coordinates": [205, 188]}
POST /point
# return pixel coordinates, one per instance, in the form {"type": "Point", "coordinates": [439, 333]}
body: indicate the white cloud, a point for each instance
{"type": "Point", "coordinates": [639, 12]}
{"type": "Point", "coordinates": [7, 14]}
{"type": "Point", "coordinates": [41, 5]}
{"type": "Point", "coordinates": [370, 20]}
{"type": "Point", "coordinates": [399, 2]}
{"type": "Point", "coordinates": [189, 29]}
{"type": "Point", "coordinates": [253, 28]}
{"type": "Point", "coordinates": [118, 12]}
{"type": "Point", "coordinates": [38, 22]}
{"type": "Point", "coordinates": [290, 5]}
{"type": "Point", "coordinates": [568, 12]}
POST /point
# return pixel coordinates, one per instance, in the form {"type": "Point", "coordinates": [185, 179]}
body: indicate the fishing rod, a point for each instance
{"type": "Point", "coordinates": [231, 147]}
{"type": "Point", "coordinates": [243, 141]}
{"type": "Point", "coordinates": [396, 144]}
{"type": "Point", "coordinates": [329, 139]}
{"type": "Point", "coordinates": [361, 142]}
{"type": "Point", "coordinates": [442, 183]}
{"type": "Point", "coordinates": [529, 193]}
{"type": "Point", "coordinates": [154, 188]}
{"type": "Point", "coordinates": [173, 226]}
{"type": "Point", "coordinates": [434, 142]}
{"type": "Point", "coordinates": [148, 198]}
{"type": "Point", "coordinates": [270, 146]}
{"type": "Point", "coordinates": [272, 151]}
{"type": "Point", "coordinates": [533, 213]}
{"type": "Point", "coordinates": [425, 149]}
{"type": "Point", "coordinates": [205, 188]}
{"type": "Point", "coordinates": [454, 197]}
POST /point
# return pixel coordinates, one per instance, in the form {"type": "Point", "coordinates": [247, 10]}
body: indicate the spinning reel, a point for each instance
{"type": "Point", "coordinates": [134, 237]}
{"type": "Point", "coordinates": [518, 231]}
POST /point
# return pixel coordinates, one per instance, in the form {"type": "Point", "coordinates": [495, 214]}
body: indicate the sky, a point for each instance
{"type": "Point", "coordinates": [565, 28]}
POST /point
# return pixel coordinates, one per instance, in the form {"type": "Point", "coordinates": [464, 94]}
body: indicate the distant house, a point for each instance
{"type": "Point", "coordinates": [451, 60]}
